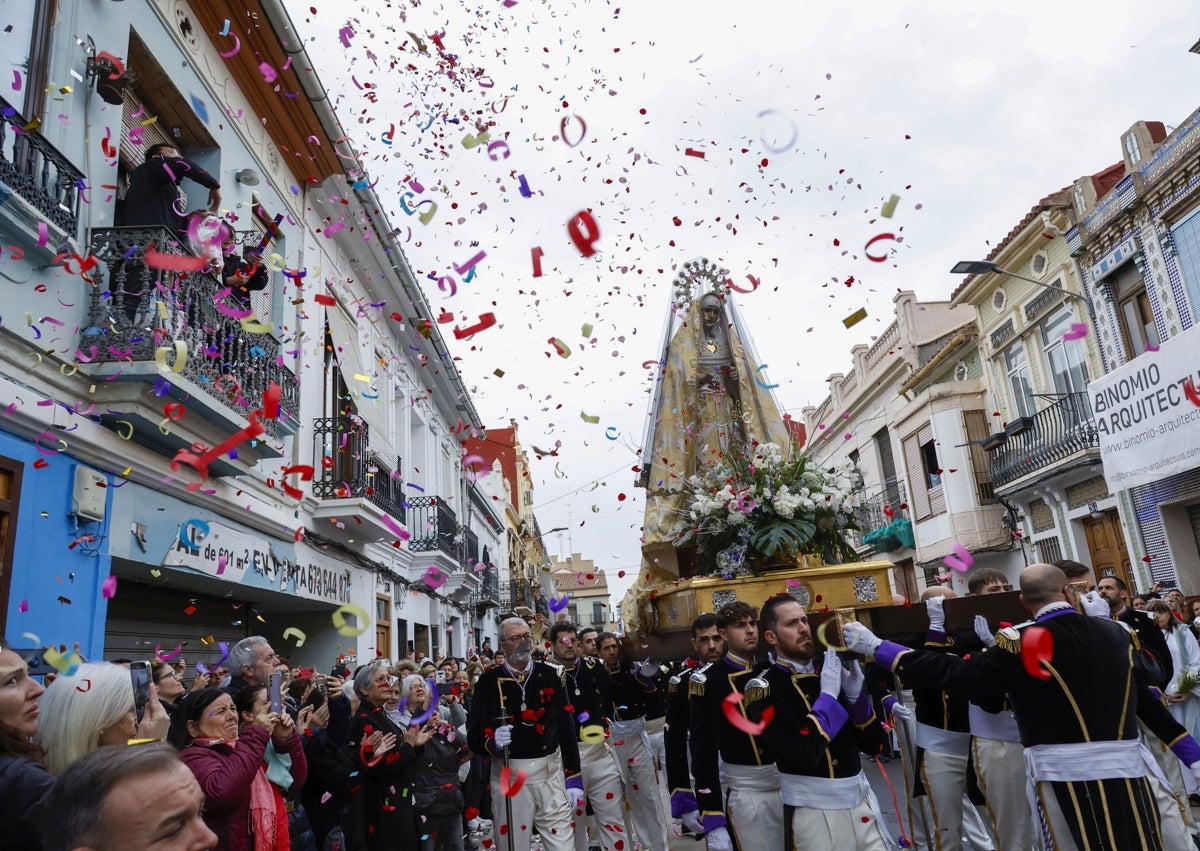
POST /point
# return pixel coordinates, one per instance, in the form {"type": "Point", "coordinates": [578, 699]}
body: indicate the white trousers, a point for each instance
{"type": "Point", "coordinates": [541, 801]}
{"type": "Point", "coordinates": [641, 788]}
{"type": "Point", "coordinates": [855, 829]}
{"type": "Point", "coordinates": [1177, 822]}
{"type": "Point", "coordinates": [954, 816]}
{"type": "Point", "coordinates": [1000, 769]}
{"type": "Point", "coordinates": [656, 730]}
{"type": "Point", "coordinates": [605, 791]}
{"type": "Point", "coordinates": [753, 806]}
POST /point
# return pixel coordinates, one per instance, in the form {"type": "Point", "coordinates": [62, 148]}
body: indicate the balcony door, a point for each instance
{"type": "Point", "coordinates": [10, 493]}
{"type": "Point", "coordinates": [1067, 367]}
{"type": "Point", "coordinates": [1106, 546]}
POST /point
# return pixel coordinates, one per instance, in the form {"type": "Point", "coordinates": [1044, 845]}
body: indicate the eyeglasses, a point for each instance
{"type": "Point", "coordinates": [170, 673]}
{"type": "Point", "coordinates": [520, 637]}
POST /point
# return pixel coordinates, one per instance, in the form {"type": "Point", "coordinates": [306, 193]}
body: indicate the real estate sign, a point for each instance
{"type": "Point", "coordinates": [1148, 414]}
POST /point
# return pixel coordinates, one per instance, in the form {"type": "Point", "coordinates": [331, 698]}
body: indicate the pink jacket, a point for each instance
{"type": "Point", "coordinates": [225, 773]}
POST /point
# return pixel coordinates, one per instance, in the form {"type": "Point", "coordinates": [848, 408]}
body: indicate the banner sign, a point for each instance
{"type": "Point", "coordinates": [1148, 414]}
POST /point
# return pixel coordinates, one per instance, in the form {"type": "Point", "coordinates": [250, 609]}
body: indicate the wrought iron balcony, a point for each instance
{"type": "Point", "coordinates": [1059, 431]}
{"type": "Point", "coordinates": [873, 512]}
{"type": "Point", "coordinates": [38, 172]}
{"type": "Point", "coordinates": [518, 597]}
{"type": "Point", "coordinates": [137, 310]}
{"type": "Point", "coordinates": [488, 595]}
{"type": "Point", "coordinates": [353, 471]}
{"type": "Point", "coordinates": [469, 549]}
{"type": "Point", "coordinates": [433, 527]}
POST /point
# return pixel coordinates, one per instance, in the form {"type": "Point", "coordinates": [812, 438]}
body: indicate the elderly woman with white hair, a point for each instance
{"type": "Point", "coordinates": [92, 707]}
{"type": "Point", "coordinates": [384, 798]}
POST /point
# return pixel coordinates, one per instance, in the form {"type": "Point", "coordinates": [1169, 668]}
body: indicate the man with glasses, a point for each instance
{"type": "Point", "coordinates": [741, 797]}
{"type": "Point", "coordinates": [252, 662]}
{"type": "Point", "coordinates": [521, 715]}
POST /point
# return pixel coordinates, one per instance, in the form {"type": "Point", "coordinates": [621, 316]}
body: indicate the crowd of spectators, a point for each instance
{"type": "Point", "coordinates": [357, 760]}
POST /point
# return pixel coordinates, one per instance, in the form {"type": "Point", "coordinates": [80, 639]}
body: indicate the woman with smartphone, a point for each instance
{"type": "Point", "coordinates": [24, 781]}
{"type": "Point", "coordinates": [94, 706]}
{"type": "Point", "coordinates": [243, 804]}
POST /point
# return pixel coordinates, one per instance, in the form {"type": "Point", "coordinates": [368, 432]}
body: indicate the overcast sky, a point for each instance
{"type": "Point", "coordinates": [808, 117]}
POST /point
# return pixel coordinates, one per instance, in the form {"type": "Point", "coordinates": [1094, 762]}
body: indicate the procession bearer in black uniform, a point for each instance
{"type": "Point", "coordinates": [708, 647]}
{"type": "Point", "coordinates": [739, 799]}
{"type": "Point", "coordinates": [823, 719]}
{"type": "Point", "coordinates": [589, 691]}
{"type": "Point", "coordinates": [1076, 684]}
{"type": "Point", "coordinates": [521, 717]}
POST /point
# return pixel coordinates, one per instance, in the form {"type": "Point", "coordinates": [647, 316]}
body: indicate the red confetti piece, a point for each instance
{"type": "Point", "coordinates": [1037, 646]}
{"type": "Point", "coordinates": [584, 232]}
{"type": "Point", "coordinates": [327, 300]}
{"type": "Point", "coordinates": [877, 258]}
{"type": "Point", "coordinates": [156, 259]}
{"type": "Point", "coordinates": [509, 785]}
{"type": "Point", "coordinates": [692, 152]}
{"type": "Point", "coordinates": [733, 715]}
{"type": "Point", "coordinates": [1189, 390]}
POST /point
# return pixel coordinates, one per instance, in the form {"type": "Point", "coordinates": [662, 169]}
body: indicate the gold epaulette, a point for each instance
{"type": "Point", "coordinates": [1009, 639]}
{"type": "Point", "coordinates": [1137, 642]}
{"type": "Point", "coordinates": [558, 669]}
{"type": "Point", "coordinates": [696, 684]}
{"type": "Point", "coordinates": [757, 689]}
{"type": "Point", "coordinates": [673, 684]}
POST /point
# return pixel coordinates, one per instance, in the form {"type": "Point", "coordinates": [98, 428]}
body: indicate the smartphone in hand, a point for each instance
{"type": "Point", "coordinates": [139, 673]}
{"type": "Point", "coordinates": [276, 692]}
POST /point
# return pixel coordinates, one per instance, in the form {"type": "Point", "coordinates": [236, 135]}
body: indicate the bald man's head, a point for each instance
{"type": "Point", "coordinates": [937, 591]}
{"type": "Point", "coordinates": [1042, 584]}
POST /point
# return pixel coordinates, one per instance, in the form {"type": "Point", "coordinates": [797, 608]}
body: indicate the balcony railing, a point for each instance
{"type": "Point", "coordinates": [433, 526]}
{"type": "Point", "coordinates": [353, 471]}
{"type": "Point", "coordinates": [872, 512]}
{"type": "Point", "coordinates": [34, 169]}
{"type": "Point", "coordinates": [518, 595]}
{"type": "Point", "coordinates": [469, 552]}
{"type": "Point", "coordinates": [1059, 431]}
{"type": "Point", "coordinates": [488, 596]}
{"type": "Point", "coordinates": [138, 309]}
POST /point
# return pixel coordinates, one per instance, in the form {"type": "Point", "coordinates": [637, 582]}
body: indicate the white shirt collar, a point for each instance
{"type": "Point", "coordinates": [798, 667]}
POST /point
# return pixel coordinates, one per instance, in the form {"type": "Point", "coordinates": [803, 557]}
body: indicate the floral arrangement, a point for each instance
{"type": "Point", "coordinates": [1189, 679]}
{"type": "Point", "coordinates": [756, 505]}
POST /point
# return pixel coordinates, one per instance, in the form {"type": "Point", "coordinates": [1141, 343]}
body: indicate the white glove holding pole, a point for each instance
{"type": "Point", "coordinates": [983, 631]}
{"type": "Point", "coordinates": [718, 840]}
{"type": "Point", "coordinates": [859, 639]}
{"type": "Point", "coordinates": [648, 669]}
{"type": "Point", "coordinates": [831, 674]}
{"type": "Point", "coordinates": [504, 736]}
{"type": "Point", "coordinates": [934, 606]}
{"type": "Point", "coordinates": [1095, 605]}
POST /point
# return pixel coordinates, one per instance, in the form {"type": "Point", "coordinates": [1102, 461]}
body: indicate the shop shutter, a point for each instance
{"type": "Point", "coordinates": [141, 617]}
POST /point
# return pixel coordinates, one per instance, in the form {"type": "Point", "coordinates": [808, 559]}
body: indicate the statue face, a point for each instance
{"type": "Point", "coordinates": [710, 312]}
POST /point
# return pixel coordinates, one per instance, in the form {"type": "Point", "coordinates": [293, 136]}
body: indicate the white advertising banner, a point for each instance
{"type": "Point", "coordinates": [1148, 414]}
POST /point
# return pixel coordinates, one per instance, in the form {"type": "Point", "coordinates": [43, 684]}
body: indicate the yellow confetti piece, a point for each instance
{"type": "Point", "coordinates": [156, 573]}
{"type": "Point", "coordinates": [592, 734]}
{"type": "Point", "coordinates": [32, 126]}
{"type": "Point", "coordinates": [855, 317]}
{"type": "Point", "coordinates": [181, 353]}
{"type": "Point", "coordinates": [252, 326]}
{"type": "Point", "coordinates": [586, 330]}
{"type": "Point", "coordinates": [65, 90]}
{"type": "Point", "coordinates": [339, 620]}
{"type": "Point", "coordinates": [889, 206]}
{"type": "Point", "coordinates": [358, 376]}
{"type": "Point", "coordinates": [587, 418]}
{"type": "Point", "coordinates": [153, 119]}
{"type": "Point", "coordinates": [127, 434]}
{"type": "Point", "coordinates": [300, 636]}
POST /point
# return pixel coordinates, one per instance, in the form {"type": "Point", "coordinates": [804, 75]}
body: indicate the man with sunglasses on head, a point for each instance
{"type": "Point", "coordinates": [522, 717]}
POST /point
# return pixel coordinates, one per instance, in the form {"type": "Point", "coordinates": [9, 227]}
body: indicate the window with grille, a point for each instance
{"type": "Point", "coordinates": [1049, 550]}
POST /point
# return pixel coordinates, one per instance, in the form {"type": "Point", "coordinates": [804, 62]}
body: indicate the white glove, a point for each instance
{"type": "Point", "coordinates": [648, 669]}
{"type": "Point", "coordinates": [985, 634]}
{"type": "Point", "coordinates": [504, 736]}
{"type": "Point", "coordinates": [860, 639]}
{"type": "Point", "coordinates": [937, 614]}
{"type": "Point", "coordinates": [693, 822]}
{"type": "Point", "coordinates": [576, 797]}
{"type": "Point", "coordinates": [853, 680]}
{"type": "Point", "coordinates": [718, 840]}
{"type": "Point", "coordinates": [831, 674]}
{"type": "Point", "coordinates": [1095, 605]}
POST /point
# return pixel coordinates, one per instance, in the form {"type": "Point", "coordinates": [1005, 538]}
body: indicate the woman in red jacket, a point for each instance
{"type": "Point", "coordinates": [242, 806]}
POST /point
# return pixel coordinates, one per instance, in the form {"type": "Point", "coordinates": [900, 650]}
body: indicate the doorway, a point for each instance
{"type": "Point", "coordinates": [10, 498]}
{"type": "Point", "coordinates": [383, 626]}
{"type": "Point", "coordinates": [1106, 546]}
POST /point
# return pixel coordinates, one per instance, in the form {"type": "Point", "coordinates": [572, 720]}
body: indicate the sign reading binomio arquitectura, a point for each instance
{"type": "Point", "coordinates": [1148, 424]}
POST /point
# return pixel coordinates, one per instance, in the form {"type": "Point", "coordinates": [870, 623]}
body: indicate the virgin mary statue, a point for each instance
{"type": "Point", "coordinates": [708, 402]}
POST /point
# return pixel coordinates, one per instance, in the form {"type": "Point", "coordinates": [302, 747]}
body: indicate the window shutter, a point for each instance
{"type": "Point", "coordinates": [976, 425]}
{"type": "Point", "coordinates": [918, 484]}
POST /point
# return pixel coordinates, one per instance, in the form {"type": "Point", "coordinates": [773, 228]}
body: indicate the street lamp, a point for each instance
{"type": "Point", "coordinates": [980, 267]}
